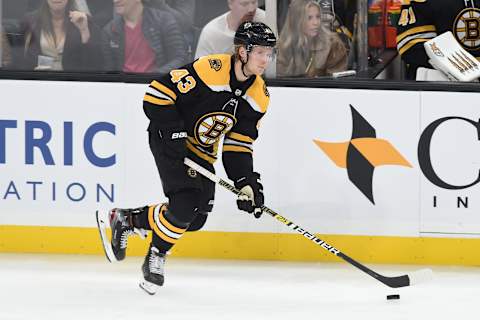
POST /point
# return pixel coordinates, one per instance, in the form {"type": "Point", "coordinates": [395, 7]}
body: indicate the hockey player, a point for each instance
{"type": "Point", "coordinates": [422, 20]}
{"type": "Point", "coordinates": [190, 109]}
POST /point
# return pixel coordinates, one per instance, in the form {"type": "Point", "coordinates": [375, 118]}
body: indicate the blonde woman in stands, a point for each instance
{"type": "Point", "coordinates": [306, 48]}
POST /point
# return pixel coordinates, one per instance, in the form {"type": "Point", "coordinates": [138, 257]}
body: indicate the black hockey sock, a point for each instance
{"type": "Point", "coordinates": [169, 223]}
{"type": "Point", "coordinates": [166, 229]}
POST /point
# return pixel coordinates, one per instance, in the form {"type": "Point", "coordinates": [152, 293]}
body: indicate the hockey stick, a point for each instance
{"type": "Point", "coordinates": [393, 282]}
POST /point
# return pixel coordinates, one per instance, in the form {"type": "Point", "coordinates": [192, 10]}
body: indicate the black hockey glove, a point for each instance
{"type": "Point", "coordinates": [252, 198]}
{"type": "Point", "coordinates": [174, 146]}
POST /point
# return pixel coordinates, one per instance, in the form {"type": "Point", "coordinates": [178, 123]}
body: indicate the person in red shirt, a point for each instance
{"type": "Point", "coordinates": [142, 39]}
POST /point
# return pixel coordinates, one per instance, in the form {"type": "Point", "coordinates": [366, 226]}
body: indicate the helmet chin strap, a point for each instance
{"type": "Point", "coordinates": [243, 67]}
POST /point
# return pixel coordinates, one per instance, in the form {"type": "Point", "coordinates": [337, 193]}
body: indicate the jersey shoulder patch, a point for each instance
{"type": "Point", "coordinates": [258, 96]}
{"type": "Point", "coordinates": [214, 70]}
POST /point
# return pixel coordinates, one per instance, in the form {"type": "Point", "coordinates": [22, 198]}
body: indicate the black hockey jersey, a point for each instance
{"type": "Point", "coordinates": [206, 96]}
{"type": "Point", "coordinates": [422, 20]}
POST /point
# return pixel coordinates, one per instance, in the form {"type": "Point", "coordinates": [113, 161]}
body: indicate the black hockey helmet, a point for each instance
{"type": "Point", "coordinates": [252, 34]}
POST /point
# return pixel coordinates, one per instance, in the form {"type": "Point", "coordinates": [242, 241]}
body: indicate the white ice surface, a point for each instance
{"type": "Point", "coordinates": [70, 287]}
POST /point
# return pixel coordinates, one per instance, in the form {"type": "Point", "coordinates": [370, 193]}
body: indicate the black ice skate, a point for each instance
{"type": "Point", "coordinates": [119, 220]}
{"type": "Point", "coordinates": [153, 270]}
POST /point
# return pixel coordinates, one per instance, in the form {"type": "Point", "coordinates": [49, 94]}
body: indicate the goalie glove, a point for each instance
{"type": "Point", "coordinates": [448, 56]}
{"type": "Point", "coordinates": [251, 200]}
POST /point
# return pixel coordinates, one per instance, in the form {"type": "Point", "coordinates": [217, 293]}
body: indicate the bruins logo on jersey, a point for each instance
{"type": "Point", "coordinates": [215, 64]}
{"type": "Point", "coordinates": [191, 173]}
{"type": "Point", "coordinates": [212, 126]}
{"type": "Point", "coordinates": [467, 28]}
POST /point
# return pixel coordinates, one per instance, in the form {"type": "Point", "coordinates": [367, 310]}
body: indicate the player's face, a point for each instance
{"type": "Point", "coordinates": [123, 7]}
{"type": "Point", "coordinates": [57, 5]}
{"type": "Point", "coordinates": [243, 10]}
{"type": "Point", "coordinates": [259, 59]}
{"type": "Point", "coordinates": [311, 28]}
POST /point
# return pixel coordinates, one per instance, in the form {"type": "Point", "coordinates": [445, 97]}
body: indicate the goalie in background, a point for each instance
{"type": "Point", "coordinates": [423, 20]}
{"type": "Point", "coordinates": [190, 110]}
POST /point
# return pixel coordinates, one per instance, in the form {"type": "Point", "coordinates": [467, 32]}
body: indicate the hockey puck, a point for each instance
{"type": "Point", "coordinates": [393, 297]}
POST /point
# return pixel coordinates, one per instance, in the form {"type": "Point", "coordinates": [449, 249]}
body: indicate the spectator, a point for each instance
{"type": "Point", "coordinates": [142, 39]}
{"type": "Point", "coordinates": [422, 21]}
{"type": "Point", "coordinates": [337, 16]}
{"type": "Point", "coordinates": [6, 56]}
{"type": "Point", "coordinates": [81, 5]}
{"type": "Point", "coordinates": [217, 35]}
{"type": "Point", "coordinates": [306, 48]}
{"type": "Point", "coordinates": [182, 10]}
{"type": "Point", "coordinates": [59, 37]}
{"type": "Point", "coordinates": [100, 10]}
{"type": "Point", "coordinates": [184, 13]}
{"type": "Point", "coordinates": [282, 10]}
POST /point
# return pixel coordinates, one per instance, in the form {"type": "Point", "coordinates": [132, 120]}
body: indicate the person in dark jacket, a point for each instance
{"type": "Point", "coordinates": [182, 10]}
{"type": "Point", "coordinates": [184, 13]}
{"type": "Point", "coordinates": [58, 37]}
{"type": "Point", "coordinates": [142, 39]}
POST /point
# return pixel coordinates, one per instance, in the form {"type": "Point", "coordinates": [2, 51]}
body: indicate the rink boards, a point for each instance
{"type": "Point", "coordinates": [387, 176]}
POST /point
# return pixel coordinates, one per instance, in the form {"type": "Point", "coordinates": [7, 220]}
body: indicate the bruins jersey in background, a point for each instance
{"type": "Point", "coordinates": [206, 96]}
{"type": "Point", "coordinates": [422, 20]}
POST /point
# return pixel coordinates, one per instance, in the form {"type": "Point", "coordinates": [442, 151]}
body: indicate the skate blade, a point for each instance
{"type": "Point", "coordinates": [102, 229]}
{"type": "Point", "coordinates": [149, 287]}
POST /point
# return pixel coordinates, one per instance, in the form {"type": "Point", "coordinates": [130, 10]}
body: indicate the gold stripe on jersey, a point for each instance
{"type": "Point", "coordinates": [157, 101]}
{"type": "Point", "coordinates": [411, 44]}
{"type": "Point", "coordinates": [416, 30]}
{"type": "Point", "coordinates": [200, 154]}
{"type": "Point", "coordinates": [157, 94]}
{"type": "Point", "coordinates": [214, 71]}
{"type": "Point", "coordinates": [232, 142]}
{"type": "Point", "coordinates": [237, 142]}
{"type": "Point", "coordinates": [239, 137]}
{"type": "Point", "coordinates": [409, 38]}
{"type": "Point", "coordinates": [233, 148]}
{"type": "Point", "coordinates": [257, 95]}
{"type": "Point", "coordinates": [195, 143]}
{"type": "Point", "coordinates": [163, 89]}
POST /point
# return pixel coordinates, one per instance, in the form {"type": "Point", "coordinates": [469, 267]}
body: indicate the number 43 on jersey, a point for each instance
{"type": "Point", "coordinates": [185, 82]}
